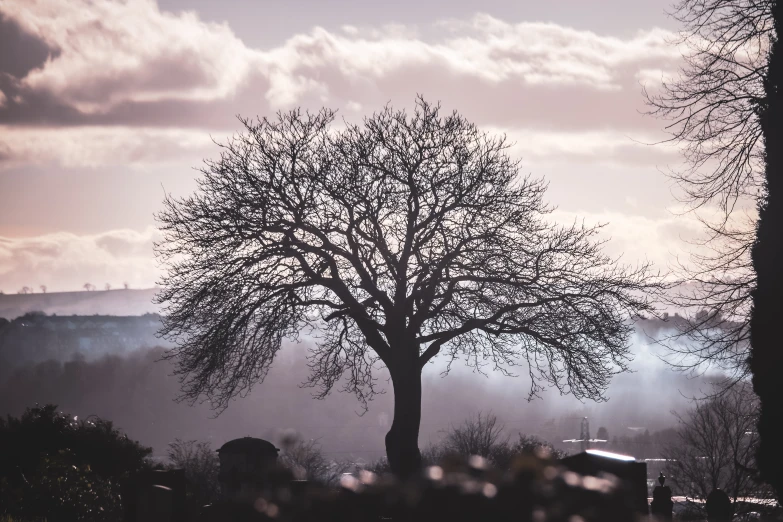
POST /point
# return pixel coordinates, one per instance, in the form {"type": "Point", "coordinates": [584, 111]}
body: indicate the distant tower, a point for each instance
{"type": "Point", "coordinates": [584, 434]}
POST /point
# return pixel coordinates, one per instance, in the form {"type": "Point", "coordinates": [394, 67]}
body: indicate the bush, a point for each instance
{"type": "Point", "coordinates": [482, 435]}
{"type": "Point", "coordinates": [532, 444]}
{"type": "Point", "coordinates": [307, 461]}
{"type": "Point", "coordinates": [201, 466]}
{"type": "Point", "coordinates": [55, 467]}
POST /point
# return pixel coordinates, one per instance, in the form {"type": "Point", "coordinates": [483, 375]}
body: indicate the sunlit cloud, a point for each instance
{"type": "Point", "coordinates": [93, 146]}
{"type": "Point", "coordinates": [65, 261]}
{"type": "Point", "coordinates": [110, 54]}
{"type": "Point", "coordinates": [124, 83]}
{"type": "Point", "coordinates": [537, 146]}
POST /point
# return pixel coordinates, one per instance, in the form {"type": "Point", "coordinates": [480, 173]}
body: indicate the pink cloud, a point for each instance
{"type": "Point", "coordinates": [64, 261]}
{"type": "Point", "coordinates": [113, 56]}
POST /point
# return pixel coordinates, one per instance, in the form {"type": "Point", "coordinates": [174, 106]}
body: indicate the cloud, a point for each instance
{"type": "Point", "coordinates": [131, 63]}
{"type": "Point", "coordinates": [20, 51]}
{"type": "Point", "coordinates": [130, 51]}
{"type": "Point", "coordinates": [659, 238]}
{"type": "Point", "coordinates": [65, 261]}
{"type": "Point", "coordinates": [94, 146]}
{"type": "Point", "coordinates": [567, 148]}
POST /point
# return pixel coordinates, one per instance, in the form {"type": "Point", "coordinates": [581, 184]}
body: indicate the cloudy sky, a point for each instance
{"type": "Point", "coordinates": [106, 104]}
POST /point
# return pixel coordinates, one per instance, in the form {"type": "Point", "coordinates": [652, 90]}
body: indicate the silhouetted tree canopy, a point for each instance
{"type": "Point", "coordinates": [391, 241]}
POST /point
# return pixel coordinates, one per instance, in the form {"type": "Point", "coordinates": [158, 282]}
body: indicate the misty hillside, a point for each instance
{"type": "Point", "coordinates": [112, 367]}
{"type": "Point", "coordinates": [103, 302]}
{"type": "Point", "coordinates": [36, 337]}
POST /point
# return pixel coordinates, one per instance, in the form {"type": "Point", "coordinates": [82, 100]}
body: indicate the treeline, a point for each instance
{"type": "Point", "coordinates": [36, 337]}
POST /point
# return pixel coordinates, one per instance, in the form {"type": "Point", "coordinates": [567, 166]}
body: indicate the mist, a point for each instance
{"type": "Point", "coordinates": [136, 390]}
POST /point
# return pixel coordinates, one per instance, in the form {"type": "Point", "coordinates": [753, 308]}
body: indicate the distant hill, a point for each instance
{"type": "Point", "coordinates": [35, 337]}
{"type": "Point", "coordinates": [102, 302]}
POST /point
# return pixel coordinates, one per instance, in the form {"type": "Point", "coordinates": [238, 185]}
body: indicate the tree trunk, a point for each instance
{"type": "Point", "coordinates": [402, 441]}
{"type": "Point", "coordinates": [766, 356]}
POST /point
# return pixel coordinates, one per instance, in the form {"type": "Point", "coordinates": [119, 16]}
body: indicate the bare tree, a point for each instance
{"type": "Point", "coordinates": [26, 290]}
{"type": "Point", "coordinates": [478, 435]}
{"type": "Point", "coordinates": [482, 435]}
{"type": "Point", "coordinates": [201, 465]}
{"type": "Point", "coordinates": [713, 105]}
{"type": "Point", "coordinates": [89, 287]}
{"type": "Point", "coordinates": [393, 241]}
{"type": "Point", "coordinates": [715, 448]}
{"type": "Point", "coordinates": [306, 459]}
{"type": "Point", "coordinates": [717, 303]}
{"type": "Point", "coordinates": [713, 109]}
{"type": "Point", "coordinates": [726, 109]}
{"type": "Point", "coordinates": [43, 289]}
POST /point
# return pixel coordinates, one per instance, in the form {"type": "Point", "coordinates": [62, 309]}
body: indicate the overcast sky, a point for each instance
{"type": "Point", "coordinates": [104, 105]}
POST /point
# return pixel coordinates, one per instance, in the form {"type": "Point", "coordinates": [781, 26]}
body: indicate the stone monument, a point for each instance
{"type": "Point", "coordinates": [155, 496]}
{"type": "Point", "coordinates": [248, 467]}
{"type": "Point", "coordinates": [662, 505]}
{"type": "Point", "coordinates": [719, 506]}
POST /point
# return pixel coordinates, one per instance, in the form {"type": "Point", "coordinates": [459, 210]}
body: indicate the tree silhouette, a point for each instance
{"type": "Point", "coordinates": [89, 287]}
{"type": "Point", "coordinates": [107, 287]}
{"type": "Point", "coordinates": [125, 285]}
{"type": "Point", "coordinates": [478, 435]}
{"type": "Point", "coordinates": [766, 355]}
{"type": "Point", "coordinates": [43, 289]}
{"type": "Point", "coordinates": [713, 108]}
{"type": "Point", "coordinates": [392, 241]}
{"type": "Point", "coordinates": [714, 447]}
{"type": "Point", "coordinates": [26, 290]}
{"type": "Point", "coordinates": [724, 109]}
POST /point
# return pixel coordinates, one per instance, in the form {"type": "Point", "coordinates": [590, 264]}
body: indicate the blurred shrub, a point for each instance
{"type": "Point", "coordinates": [57, 467]}
{"type": "Point", "coordinates": [306, 461]}
{"type": "Point", "coordinates": [201, 466]}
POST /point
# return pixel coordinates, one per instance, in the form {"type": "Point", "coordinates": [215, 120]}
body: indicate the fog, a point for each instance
{"type": "Point", "coordinates": [136, 390]}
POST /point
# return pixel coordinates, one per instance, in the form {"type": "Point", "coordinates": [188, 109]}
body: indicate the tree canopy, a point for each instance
{"type": "Point", "coordinates": [391, 242]}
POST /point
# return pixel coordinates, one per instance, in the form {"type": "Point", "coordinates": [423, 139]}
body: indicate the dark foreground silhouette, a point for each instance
{"type": "Point", "coordinates": [536, 489]}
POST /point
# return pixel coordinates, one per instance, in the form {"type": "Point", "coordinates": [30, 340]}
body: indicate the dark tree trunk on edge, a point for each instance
{"type": "Point", "coordinates": [402, 441]}
{"type": "Point", "coordinates": [766, 359]}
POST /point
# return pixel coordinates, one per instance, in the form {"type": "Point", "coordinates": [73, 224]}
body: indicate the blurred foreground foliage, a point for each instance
{"type": "Point", "coordinates": [534, 488]}
{"type": "Point", "coordinates": [56, 467]}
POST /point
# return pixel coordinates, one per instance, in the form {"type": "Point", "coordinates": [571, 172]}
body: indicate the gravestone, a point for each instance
{"type": "Point", "coordinates": [155, 496]}
{"type": "Point", "coordinates": [155, 503]}
{"type": "Point", "coordinates": [719, 506]}
{"type": "Point", "coordinates": [631, 472]}
{"type": "Point", "coordinates": [662, 504]}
